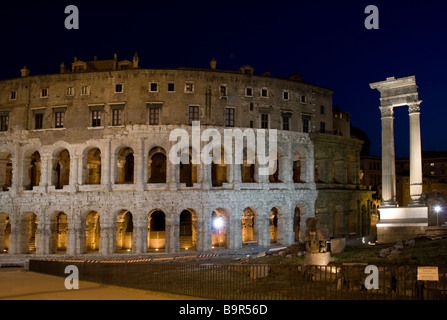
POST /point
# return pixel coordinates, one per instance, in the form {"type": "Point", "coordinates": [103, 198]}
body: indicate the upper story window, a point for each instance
{"type": "Point", "coordinates": [229, 117]}
{"type": "Point", "coordinates": [4, 121]}
{"type": "Point", "coordinates": [117, 114]}
{"type": "Point", "coordinates": [13, 95]}
{"type": "Point", "coordinates": [305, 119]}
{"type": "Point", "coordinates": [264, 121]}
{"type": "Point", "coordinates": [322, 111]}
{"type": "Point", "coordinates": [44, 93]}
{"type": "Point", "coordinates": [285, 95]}
{"type": "Point", "coordinates": [193, 114]}
{"type": "Point", "coordinates": [286, 121]}
{"type": "Point", "coordinates": [59, 119]}
{"type": "Point", "coordinates": [322, 127]}
{"type": "Point", "coordinates": [154, 113]}
{"type": "Point", "coordinates": [264, 92]}
{"type": "Point", "coordinates": [96, 118]}
{"type": "Point", "coordinates": [153, 87]}
{"type": "Point", "coordinates": [85, 90]}
{"type": "Point", "coordinates": [171, 87]}
{"type": "Point", "coordinates": [69, 92]}
{"type": "Point", "coordinates": [303, 99]}
{"type": "Point", "coordinates": [38, 121]}
{"type": "Point", "coordinates": [119, 88]}
{"type": "Point", "coordinates": [223, 91]}
{"type": "Point", "coordinates": [249, 92]}
{"type": "Point", "coordinates": [189, 87]}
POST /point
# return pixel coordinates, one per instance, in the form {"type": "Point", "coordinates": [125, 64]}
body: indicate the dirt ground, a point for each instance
{"type": "Point", "coordinates": [17, 284]}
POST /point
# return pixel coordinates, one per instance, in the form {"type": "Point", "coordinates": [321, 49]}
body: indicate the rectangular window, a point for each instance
{"type": "Point", "coordinates": [285, 95]}
{"type": "Point", "coordinates": [249, 92]}
{"type": "Point", "coordinates": [153, 87]}
{"type": "Point", "coordinates": [223, 91]}
{"type": "Point", "coordinates": [286, 122]}
{"type": "Point", "coordinates": [193, 114]}
{"type": "Point", "coordinates": [171, 87]}
{"type": "Point", "coordinates": [264, 121]}
{"type": "Point", "coordinates": [70, 91]}
{"type": "Point", "coordinates": [85, 90]}
{"type": "Point", "coordinates": [322, 127]}
{"type": "Point", "coordinates": [117, 117]}
{"type": "Point", "coordinates": [38, 121]}
{"type": "Point", "coordinates": [306, 124]}
{"type": "Point", "coordinates": [303, 99]}
{"type": "Point", "coordinates": [59, 119]}
{"type": "Point", "coordinates": [264, 93]}
{"type": "Point", "coordinates": [96, 118]}
{"type": "Point", "coordinates": [119, 88]}
{"type": "Point", "coordinates": [252, 125]}
{"type": "Point", "coordinates": [13, 95]}
{"type": "Point", "coordinates": [229, 117]}
{"type": "Point", "coordinates": [154, 116]}
{"type": "Point", "coordinates": [4, 122]}
{"type": "Point", "coordinates": [321, 109]}
{"type": "Point", "coordinates": [44, 93]}
{"type": "Point", "coordinates": [189, 87]}
{"type": "Point", "coordinates": [251, 106]}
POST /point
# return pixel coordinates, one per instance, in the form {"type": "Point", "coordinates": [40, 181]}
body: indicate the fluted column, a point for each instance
{"type": "Point", "coordinates": [415, 154]}
{"type": "Point", "coordinates": [388, 157]}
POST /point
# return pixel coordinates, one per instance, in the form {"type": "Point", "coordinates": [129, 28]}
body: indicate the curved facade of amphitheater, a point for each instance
{"type": "Point", "coordinates": [84, 161]}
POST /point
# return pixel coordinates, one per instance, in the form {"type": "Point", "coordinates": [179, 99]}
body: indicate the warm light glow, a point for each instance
{"type": "Point", "coordinates": [156, 249]}
{"type": "Point", "coordinates": [218, 223]}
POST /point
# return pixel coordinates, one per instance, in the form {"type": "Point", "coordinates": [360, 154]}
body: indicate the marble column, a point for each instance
{"type": "Point", "coordinates": [388, 157]}
{"type": "Point", "coordinates": [415, 154]}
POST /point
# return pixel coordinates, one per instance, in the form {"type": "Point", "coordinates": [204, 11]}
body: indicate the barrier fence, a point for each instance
{"type": "Point", "coordinates": [257, 282]}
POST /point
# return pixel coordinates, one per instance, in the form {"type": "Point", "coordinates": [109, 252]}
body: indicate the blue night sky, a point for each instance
{"type": "Point", "coordinates": [325, 41]}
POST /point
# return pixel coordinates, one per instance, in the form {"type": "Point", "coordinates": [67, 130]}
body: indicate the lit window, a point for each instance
{"type": "Point", "coordinates": [189, 87]}
{"type": "Point", "coordinates": [59, 119]}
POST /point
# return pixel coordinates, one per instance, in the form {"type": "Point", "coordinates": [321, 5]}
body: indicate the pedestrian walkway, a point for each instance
{"type": "Point", "coordinates": [18, 284]}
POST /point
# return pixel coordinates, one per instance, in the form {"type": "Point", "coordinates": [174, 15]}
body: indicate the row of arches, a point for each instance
{"type": "Point", "coordinates": [92, 161]}
{"type": "Point", "coordinates": [126, 235]}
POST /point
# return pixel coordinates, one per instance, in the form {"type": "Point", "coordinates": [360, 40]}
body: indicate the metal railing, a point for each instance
{"type": "Point", "coordinates": [257, 282]}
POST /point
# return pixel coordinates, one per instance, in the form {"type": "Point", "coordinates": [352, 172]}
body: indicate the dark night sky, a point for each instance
{"type": "Point", "coordinates": [325, 41]}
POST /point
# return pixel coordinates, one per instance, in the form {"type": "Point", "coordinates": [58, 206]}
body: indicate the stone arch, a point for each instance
{"type": "Point", "coordinates": [249, 228]}
{"type": "Point", "coordinates": [33, 169]}
{"type": "Point", "coordinates": [188, 171]}
{"type": "Point", "coordinates": [248, 168]}
{"type": "Point", "coordinates": [220, 171]}
{"type": "Point", "coordinates": [59, 232]}
{"type": "Point", "coordinates": [28, 232]}
{"type": "Point", "coordinates": [5, 232]}
{"type": "Point", "coordinates": [220, 228]}
{"type": "Point", "coordinates": [61, 168]}
{"type": "Point", "coordinates": [157, 165]}
{"type": "Point", "coordinates": [274, 217]}
{"type": "Point", "coordinates": [5, 171]}
{"type": "Point", "coordinates": [125, 165]}
{"type": "Point", "coordinates": [188, 232]}
{"type": "Point", "coordinates": [156, 235]}
{"type": "Point", "coordinates": [124, 231]}
{"type": "Point", "coordinates": [92, 231]}
{"type": "Point", "coordinates": [92, 165]}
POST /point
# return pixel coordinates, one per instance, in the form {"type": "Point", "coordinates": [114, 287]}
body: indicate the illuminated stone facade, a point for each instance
{"type": "Point", "coordinates": [84, 160]}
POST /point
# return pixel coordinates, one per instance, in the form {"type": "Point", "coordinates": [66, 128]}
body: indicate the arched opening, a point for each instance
{"type": "Point", "coordinates": [297, 223]}
{"type": "Point", "coordinates": [156, 235]}
{"type": "Point", "coordinates": [92, 166]}
{"type": "Point", "coordinates": [157, 165]}
{"type": "Point", "coordinates": [219, 172]}
{"type": "Point", "coordinates": [92, 232]}
{"type": "Point", "coordinates": [297, 167]}
{"type": "Point", "coordinates": [219, 229]}
{"type": "Point", "coordinates": [61, 169]}
{"type": "Point", "coordinates": [273, 225]}
{"type": "Point", "coordinates": [59, 233]}
{"type": "Point", "coordinates": [188, 172]}
{"type": "Point", "coordinates": [5, 232]}
{"type": "Point", "coordinates": [247, 169]}
{"type": "Point", "coordinates": [248, 227]}
{"type": "Point", "coordinates": [187, 230]}
{"type": "Point", "coordinates": [29, 233]}
{"type": "Point", "coordinates": [34, 170]}
{"type": "Point", "coordinates": [5, 171]}
{"type": "Point", "coordinates": [124, 231]}
{"type": "Point", "coordinates": [125, 166]}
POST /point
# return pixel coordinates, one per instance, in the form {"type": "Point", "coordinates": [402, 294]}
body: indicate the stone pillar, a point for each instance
{"type": "Point", "coordinates": [415, 155]}
{"type": "Point", "coordinates": [388, 157]}
{"type": "Point", "coordinates": [172, 234]}
{"type": "Point", "coordinates": [106, 173]}
{"type": "Point", "coordinates": [139, 244]}
{"type": "Point", "coordinates": [107, 241]}
{"type": "Point", "coordinates": [263, 230]}
{"type": "Point", "coordinates": [139, 166]}
{"type": "Point", "coordinates": [43, 237]}
{"type": "Point", "coordinates": [14, 237]}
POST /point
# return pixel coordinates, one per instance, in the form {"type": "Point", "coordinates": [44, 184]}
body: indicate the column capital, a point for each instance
{"type": "Point", "coordinates": [386, 111]}
{"type": "Point", "coordinates": [414, 107]}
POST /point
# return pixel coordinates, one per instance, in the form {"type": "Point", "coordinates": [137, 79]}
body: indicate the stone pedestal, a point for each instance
{"type": "Point", "coordinates": [317, 259]}
{"type": "Point", "coordinates": [338, 245]}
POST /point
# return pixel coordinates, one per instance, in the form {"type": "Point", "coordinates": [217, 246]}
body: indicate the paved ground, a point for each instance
{"type": "Point", "coordinates": [17, 284]}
